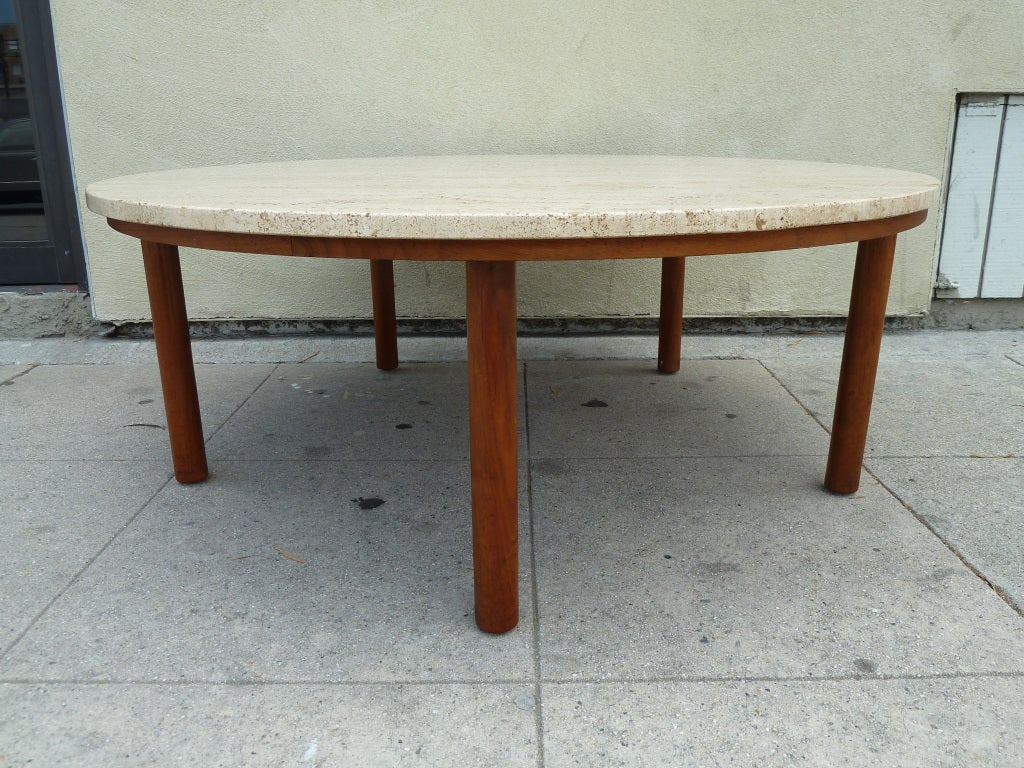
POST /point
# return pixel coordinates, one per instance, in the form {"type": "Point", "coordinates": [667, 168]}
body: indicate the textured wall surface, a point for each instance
{"type": "Point", "coordinates": [152, 85]}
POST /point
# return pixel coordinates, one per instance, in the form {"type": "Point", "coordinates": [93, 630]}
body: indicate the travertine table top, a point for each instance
{"type": "Point", "coordinates": [511, 196]}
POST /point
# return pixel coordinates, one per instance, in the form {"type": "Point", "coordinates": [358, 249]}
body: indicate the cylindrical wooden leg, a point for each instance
{"type": "Point", "coordinates": [860, 362]}
{"type": "Point", "coordinates": [670, 325]}
{"type": "Point", "coordinates": [491, 336]}
{"type": "Point", "coordinates": [174, 354]}
{"type": "Point", "coordinates": [385, 333]}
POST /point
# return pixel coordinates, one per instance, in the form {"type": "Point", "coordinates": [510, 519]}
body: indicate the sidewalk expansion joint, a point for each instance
{"type": "Point", "coordinates": [245, 400]}
{"type": "Point", "coordinates": [524, 682]}
{"type": "Point", "coordinates": [534, 589]}
{"type": "Point", "coordinates": [1019, 609]}
{"type": "Point", "coordinates": [716, 680]}
{"type": "Point", "coordinates": [10, 379]}
{"type": "Point", "coordinates": [796, 399]}
{"type": "Point", "coordinates": [78, 575]}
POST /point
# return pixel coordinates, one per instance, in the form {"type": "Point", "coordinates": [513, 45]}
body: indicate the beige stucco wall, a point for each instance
{"type": "Point", "coordinates": [150, 85]}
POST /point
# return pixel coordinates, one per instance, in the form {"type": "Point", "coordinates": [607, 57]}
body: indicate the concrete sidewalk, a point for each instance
{"type": "Point", "coordinates": [690, 594]}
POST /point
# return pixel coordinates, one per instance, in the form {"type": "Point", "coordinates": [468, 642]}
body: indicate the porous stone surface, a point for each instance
{"type": "Point", "coordinates": [499, 197]}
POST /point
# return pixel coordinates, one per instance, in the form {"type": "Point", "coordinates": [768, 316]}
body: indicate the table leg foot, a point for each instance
{"type": "Point", "coordinates": [491, 337]}
{"type": "Point", "coordinates": [670, 325]}
{"type": "Point", "coordinates": [385, 327]}
{"type": "Point", "coordinates": [174, 355]}
{"type": "Point", "coordinates": [860, 362]}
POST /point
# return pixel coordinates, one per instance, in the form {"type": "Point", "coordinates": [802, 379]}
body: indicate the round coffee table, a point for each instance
{"type": "Point", "coordinates": [490, 212]}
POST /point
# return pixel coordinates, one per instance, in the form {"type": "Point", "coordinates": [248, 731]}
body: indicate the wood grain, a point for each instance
{"type": "Point", "coordinates": [670, 319]}
{"type": "Point", "coordinates": [385, 326]}
{"type": "Point", "coordinates": [174, 355]}
{"type": "Point", "coordinates": [860, 363]}
{"type": "Point", "coordinates": [491, 338]}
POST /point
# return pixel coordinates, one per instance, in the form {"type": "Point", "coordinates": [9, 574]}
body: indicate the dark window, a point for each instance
{"type": "Point", "coordinates": [40, 240]}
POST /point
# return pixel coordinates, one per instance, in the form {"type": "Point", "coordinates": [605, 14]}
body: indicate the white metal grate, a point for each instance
{"type": "Point", "coordinates": [982, 251]}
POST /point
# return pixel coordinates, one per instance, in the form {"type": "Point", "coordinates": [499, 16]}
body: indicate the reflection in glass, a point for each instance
{"type": "Point", "coordinates": [21, 198]}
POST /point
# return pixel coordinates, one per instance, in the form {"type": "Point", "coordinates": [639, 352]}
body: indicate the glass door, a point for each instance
{"type": "Point", "coordinates": [40, 242]}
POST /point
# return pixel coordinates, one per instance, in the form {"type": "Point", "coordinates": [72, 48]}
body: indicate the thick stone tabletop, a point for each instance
{"type": "Point", "coordinates": [511, 196]}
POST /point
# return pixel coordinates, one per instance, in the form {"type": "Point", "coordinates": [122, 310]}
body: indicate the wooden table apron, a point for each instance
{"type": "Point", "coordinates": [491, 331]}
